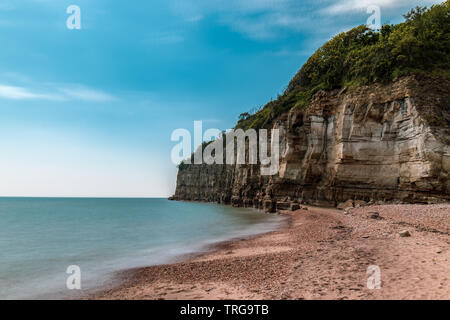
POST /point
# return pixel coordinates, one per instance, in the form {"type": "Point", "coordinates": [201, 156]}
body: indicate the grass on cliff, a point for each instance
{"type": "Point", "coordinates": [361, 56]}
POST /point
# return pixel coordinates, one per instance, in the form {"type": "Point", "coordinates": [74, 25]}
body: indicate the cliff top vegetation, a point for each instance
{"type": "Point", "coordinates": [361, 56]}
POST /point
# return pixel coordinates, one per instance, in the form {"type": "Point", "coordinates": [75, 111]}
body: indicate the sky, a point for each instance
{"type": "Point", "coordinates": [89, 112]}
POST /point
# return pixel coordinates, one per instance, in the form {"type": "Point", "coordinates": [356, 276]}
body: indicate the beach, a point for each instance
{"type": "Point", "coordinates": [319, 253]}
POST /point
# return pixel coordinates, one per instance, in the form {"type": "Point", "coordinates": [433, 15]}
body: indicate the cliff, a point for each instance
{"type": "Point", "coordinates": [366, 118]}
{"type": "Point", "coordinates": [379, 142]}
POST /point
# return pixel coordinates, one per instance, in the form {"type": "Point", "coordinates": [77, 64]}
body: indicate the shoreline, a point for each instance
{"type": "Point", "coordinates": [318, 253]}
{"type": "Point", "coordinates": [122, 278]}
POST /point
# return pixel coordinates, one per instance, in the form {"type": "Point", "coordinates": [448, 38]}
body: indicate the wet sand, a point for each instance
{"type": "Point", "coordinates": [319, 254]}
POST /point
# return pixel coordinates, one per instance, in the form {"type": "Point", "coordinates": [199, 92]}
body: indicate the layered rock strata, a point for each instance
{"type": "Point", "coordinates": [374, 143]}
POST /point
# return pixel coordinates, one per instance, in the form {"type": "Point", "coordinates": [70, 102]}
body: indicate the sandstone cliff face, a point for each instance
{"type": "Point", "coordinates": [375, 143]}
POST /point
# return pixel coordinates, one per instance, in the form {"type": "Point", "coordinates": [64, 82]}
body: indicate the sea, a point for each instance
{"type": "Point", "coordinates": [63, 248]}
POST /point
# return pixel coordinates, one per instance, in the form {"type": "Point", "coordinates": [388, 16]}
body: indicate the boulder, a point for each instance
{"type": "Point", "coordinates": [283, 205]}
{"type": "Point", "coordinates": [345, 205]}
{"type": "Point", "coordinates": [359, 203]}
{"type": "Point", "coordinates": [404, 234]}
{"type": "Point", "coordinates": [269, 206]}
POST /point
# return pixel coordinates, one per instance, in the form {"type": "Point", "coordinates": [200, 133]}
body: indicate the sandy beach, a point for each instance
{"type": "Point", "coordinates": [319, 254]}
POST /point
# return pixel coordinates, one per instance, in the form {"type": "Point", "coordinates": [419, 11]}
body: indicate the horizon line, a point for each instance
{"type": "Point", "coordinates": [83, 197]}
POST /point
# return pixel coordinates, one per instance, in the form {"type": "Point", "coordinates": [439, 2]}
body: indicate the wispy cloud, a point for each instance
{"type": "Point", "coordinates": [256, 19]}
{"type": "Point", "coordinates": [264, 26]}
{"type": "Point", "coordinates": [345, 6]}
{"type": "Point", "coordinates": [164, 38]}
{"type": "Point", "coordinates": [79, 92]}
{"type": "Point", "coordinates": [54, 93]}
{"type": "Point", "coordinates": [20, 93]}
{"type": "Point", "coordinates": [270, 19]}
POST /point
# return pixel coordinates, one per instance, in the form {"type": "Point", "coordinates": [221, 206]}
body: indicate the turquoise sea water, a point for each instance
{"type": "Point", "coordinates": [41, 237]}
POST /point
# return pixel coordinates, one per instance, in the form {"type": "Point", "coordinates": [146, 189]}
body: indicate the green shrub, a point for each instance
{"type": "Point", "coordinates": [360, 56]}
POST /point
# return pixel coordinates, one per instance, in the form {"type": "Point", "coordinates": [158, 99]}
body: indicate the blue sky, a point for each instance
{"type": "Point", "coordinates": [90, 112]}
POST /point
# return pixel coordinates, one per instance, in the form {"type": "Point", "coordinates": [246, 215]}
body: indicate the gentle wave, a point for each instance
{"type": "Point", "coordinates": [41, 237]}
